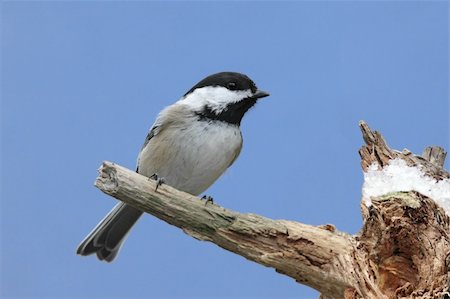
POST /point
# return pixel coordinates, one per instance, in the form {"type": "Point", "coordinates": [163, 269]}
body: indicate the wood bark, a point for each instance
{"type": "Point", "coordinates": [402, 250]}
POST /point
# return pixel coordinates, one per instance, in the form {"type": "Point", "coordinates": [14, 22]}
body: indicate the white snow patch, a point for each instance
{"type": "Point", "coordinates": [398, 176]}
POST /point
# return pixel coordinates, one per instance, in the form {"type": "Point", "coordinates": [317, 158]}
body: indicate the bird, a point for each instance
{"type": "Point", "coordinates": [190, 145]}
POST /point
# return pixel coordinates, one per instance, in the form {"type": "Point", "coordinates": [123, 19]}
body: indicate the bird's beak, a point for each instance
{"type": "Point", "coordinates": [260, 94]}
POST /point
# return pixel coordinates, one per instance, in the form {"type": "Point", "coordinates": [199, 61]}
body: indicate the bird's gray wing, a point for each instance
{"type": "Point", "coordinates": [150, 135]}
{"type": "Point", "coordinates": [153, 131]}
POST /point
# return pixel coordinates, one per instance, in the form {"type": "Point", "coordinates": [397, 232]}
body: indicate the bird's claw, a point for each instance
{"type": "Point", "coordinates": [159, 181]}
{"type": "Point", "coordinates": [207, 199]}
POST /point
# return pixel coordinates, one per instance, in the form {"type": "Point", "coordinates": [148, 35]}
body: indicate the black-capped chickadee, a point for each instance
{"type": "Point", "coordinates": [191, 144]}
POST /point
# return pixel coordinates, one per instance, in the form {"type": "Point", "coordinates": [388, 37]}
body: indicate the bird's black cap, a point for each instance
{"type": "Point", "coordinates": [230, 80]}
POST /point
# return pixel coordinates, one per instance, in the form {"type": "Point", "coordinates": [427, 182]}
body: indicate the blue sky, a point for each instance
{"type": "Point", "coordinates": [83, 81]}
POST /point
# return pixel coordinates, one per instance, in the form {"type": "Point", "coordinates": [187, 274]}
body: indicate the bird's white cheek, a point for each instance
{"type": "Point", "coordinates": [216, 98]}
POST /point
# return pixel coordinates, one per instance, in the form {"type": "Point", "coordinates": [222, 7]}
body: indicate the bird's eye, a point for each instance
{"type": "Point", "coordinates": [231, 86]}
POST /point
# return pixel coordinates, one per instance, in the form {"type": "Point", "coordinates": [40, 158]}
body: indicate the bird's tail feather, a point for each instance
{"type": "Point", "coordinates": [107, 237]}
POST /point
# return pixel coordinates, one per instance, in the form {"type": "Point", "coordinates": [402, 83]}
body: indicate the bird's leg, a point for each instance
{"type": "Point", "coordinates": [208, 199]}
{"type": "Point", "coordinates": [159, 181]}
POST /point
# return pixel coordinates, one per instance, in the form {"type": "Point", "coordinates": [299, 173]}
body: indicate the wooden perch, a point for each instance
{"type": "Point", "coordinates": [402, 251]}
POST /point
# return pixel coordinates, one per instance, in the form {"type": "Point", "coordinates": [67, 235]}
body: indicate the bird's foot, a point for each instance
{"type": "Point", "coordinates": [159, 181]}
{"type": "Point", "coordinates": [207, 199]}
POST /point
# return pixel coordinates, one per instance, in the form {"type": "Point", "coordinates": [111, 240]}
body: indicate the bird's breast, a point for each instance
{"type": "Point", "coordinates": [191, 157]}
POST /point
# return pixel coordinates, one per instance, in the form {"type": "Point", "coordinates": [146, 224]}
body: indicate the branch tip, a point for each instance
{"type": "Point", "coordinates": [435, 155]}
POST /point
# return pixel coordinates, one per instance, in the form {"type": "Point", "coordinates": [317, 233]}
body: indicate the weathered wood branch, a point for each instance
{"type": "Point", "coordinates": [309, 254]}
{"type": "Point", "coordinates": [402, 251]}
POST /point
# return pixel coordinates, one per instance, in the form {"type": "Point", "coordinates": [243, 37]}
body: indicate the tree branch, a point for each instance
{"type": "Point", "coordinates": [315, 256]}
